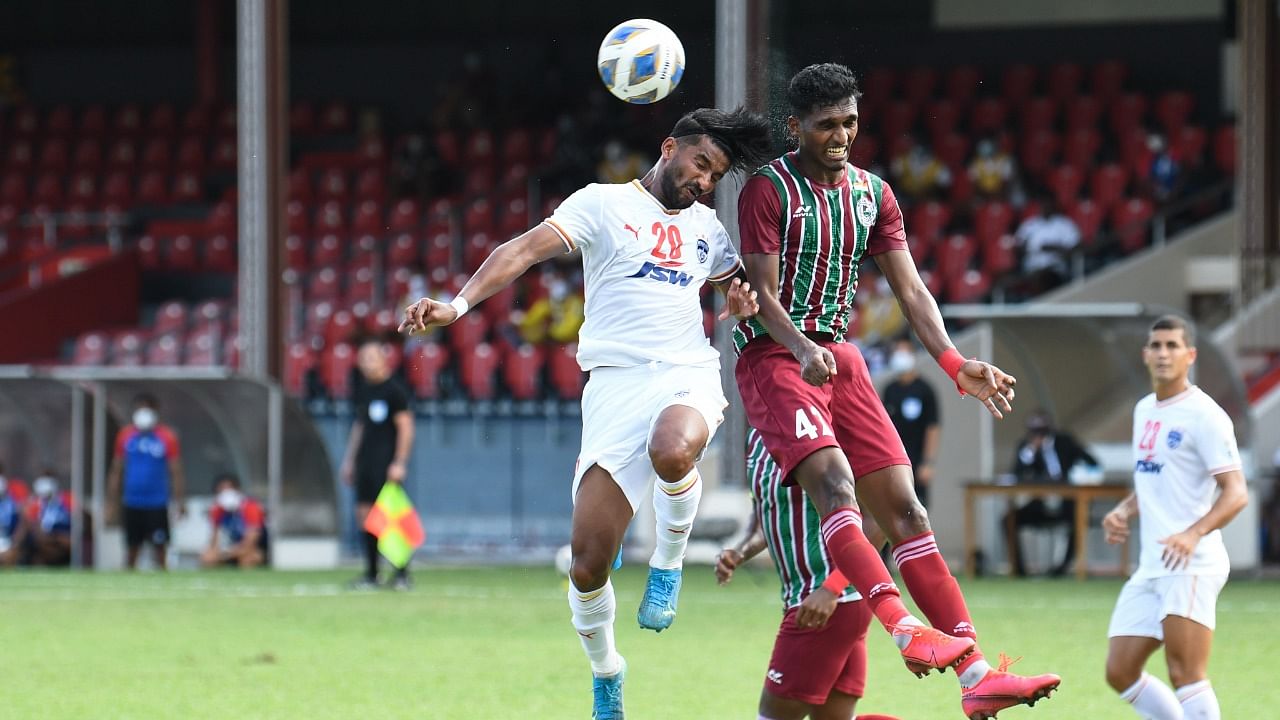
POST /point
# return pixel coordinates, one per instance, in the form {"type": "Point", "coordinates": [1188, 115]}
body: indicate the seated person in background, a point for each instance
{"type": "Point", "coordinates": [13, 495]}
{"type": "Point", "coordinates": [239, 527]}
{"type": "Point", "coordinates": [1045, 455]}
{"type": "Point", "coordinates": [1047, 242]}
{"type": "Point", "coordinates": [919, 174]}
{"type": "Point", "coordinates": [556, 317]}
{"type": "Point", "coordinates": [47, 527]}
{"type": "Point", "coordinates": [992, 170]}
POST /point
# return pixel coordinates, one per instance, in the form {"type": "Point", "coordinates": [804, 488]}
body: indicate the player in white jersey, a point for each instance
{"type": "Point", "coordinates": [654, 398]}
{"type": "Point", "coordinates": [1185, 451]}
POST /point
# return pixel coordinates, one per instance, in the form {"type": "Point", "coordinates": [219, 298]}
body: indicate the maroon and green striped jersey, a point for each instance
{"type": "Point", "coordinates": [820, 234]}
{"type": "Point", "coordinates": [792, 528]}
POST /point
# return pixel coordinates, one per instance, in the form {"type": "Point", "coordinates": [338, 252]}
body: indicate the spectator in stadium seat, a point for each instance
{"type": "Point", "coordinates": [239, 535]}
{"type": "Point", "coordinates": [1165, 178]}
{"type": "Point", "coordinates": [620, 164]}
{"type": "Point", "coordinates": [1047, 243]}
{"type": "Point", "coordinates": [145, 475]}
{"type": "Point", "coordinates": [993, 171]}
{"type": "Point", "coordinates": [12, 498]}
{"type": "Point", "coordinates": [556, 317]}
{"type": "Point", "coordinates": [377, 449]}
{"type": "Point", "coordinates": [47, 524]}
{"type": "Point", "coordinates": [879, 316]}
{"type": "Point", "coordinates": [913, 408]}
{"type": "Point", "coordinates": [919, 174]}
{"type": "Point", "coordinates": [1045, 456]}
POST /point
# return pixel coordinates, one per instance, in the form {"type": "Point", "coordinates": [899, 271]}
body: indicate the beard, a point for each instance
{"type": "Point", "coordinates": [675, 197]}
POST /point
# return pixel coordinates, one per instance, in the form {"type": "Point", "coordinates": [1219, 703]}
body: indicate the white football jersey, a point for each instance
{"type": "Point", "coordinates": [1179, 444]}
{"type": "Point", "coordinates": [643, 268]}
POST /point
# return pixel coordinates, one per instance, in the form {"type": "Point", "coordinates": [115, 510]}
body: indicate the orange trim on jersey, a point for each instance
{"type": "Point", "coordinates": [1225, 468]}
{"type": "Point", "coordinates": [726, 275]}
{"type": "Point", "coordinates": [564, 235]}
{"type": "Point", "coordinates": [643, 189]}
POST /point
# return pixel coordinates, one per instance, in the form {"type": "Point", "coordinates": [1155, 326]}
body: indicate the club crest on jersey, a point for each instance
{"type": "Point", "coordinates": [654, 271]}
{"type": "Point", "coordinates": [703, 250]}
{"type": "Point", "coordinates": [1174, 439]}
{"type": "Point", "coordinates": [866, 211]}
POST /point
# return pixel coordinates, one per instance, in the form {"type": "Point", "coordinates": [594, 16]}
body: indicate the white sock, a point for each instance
{"type": "Point", "coordinates": [973, 674]}
{"type": "Point", "coordinates": [593, 619]}
{"type": "Point", "coordinates": [1152, 699]}
{"type": "Point", "coordinates": [674, 506]}
{"type": "Point", "coordinates": [902, 640]}
{"type": "Point", "coordinates": [1199, 702]}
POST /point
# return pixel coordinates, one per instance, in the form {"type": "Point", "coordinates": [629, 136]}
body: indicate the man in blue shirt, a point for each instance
{"type": "Point", "coordinates": [145, 474]}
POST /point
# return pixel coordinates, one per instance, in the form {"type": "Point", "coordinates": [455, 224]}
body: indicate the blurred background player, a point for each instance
{"type": "Point", "coordinates": [807, 220]}
{"type": "Point", "coordinates": [913, 408]}
{"type": "Point", "coordinates": [819, 664]}
{"type": "Point", "coordinates": [13, 496]}
{"type": "Point", "coordinates": [145, 476]}
{"type": "Point", "coordinates": [377, 449]}
{"type": "Point", "coordinates": [1184, 445]}
{"type": "Point", "coordinates": [654, 399]}
{"type": "Point", "coordinates": [239, 533]}
{"type": "Point", "coordinates": [46, 530]}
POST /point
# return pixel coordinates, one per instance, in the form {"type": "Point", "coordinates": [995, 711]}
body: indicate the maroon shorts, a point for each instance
{"type": "Point", "coordinates": [795, 418]}
{"type": "Point", "coordinates": [807, 665]}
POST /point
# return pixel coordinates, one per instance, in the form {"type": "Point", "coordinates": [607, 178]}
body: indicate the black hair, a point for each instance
{"type": "Point", "coordinates": [742, 134]}
{"type": "Point", "coordinates": [819, 86]}
{"type": "Point", "coordinates": [146, 400]}
{"type": "Point", "coordinates": [1176, 322]}
{"type": "Point", "coordinates": [227, 478]}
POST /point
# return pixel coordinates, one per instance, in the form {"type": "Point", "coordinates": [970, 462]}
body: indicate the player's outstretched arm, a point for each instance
{"type": "Point", "coordinates": [509, 261]}
{"type": "Point", "coordinates": [740, 300]}
{"type": "Point", "coordinates": [752, 544]}
{"type": "Point", "coordinates": [1232, 498]}
{"type": "Point", "coordinates": [989, 384]}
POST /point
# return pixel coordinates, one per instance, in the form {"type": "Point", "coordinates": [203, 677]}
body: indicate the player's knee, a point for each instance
{"type": "Point", "coordinates": [913, 519]}
{"type": "Point", "coordinates": [672, 455]}
{"type": "Point", "coordinates": [589, 572]}
{"type": "Point", "coordinates": [1121, 677]}
{"type": "Point", "coordinates": [1182, 672]}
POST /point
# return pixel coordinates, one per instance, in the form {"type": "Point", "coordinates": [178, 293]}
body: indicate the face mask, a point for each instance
{"type": "Point", "coordinates": [559, 290]}
{"type": "Point", "coordinates": [144, 418]}
{"type": "Point", "coordinates": [229, 499]}
{"type": "Point", "coordinates": [44, 486]}
{"type": "Point", "coordinates": [902, 361]}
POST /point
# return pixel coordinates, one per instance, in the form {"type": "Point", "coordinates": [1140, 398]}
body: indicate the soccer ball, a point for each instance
{"type": "Point", "coordinates": [641, 61]}
{"type": "Point", "coordinates": [564, 560]}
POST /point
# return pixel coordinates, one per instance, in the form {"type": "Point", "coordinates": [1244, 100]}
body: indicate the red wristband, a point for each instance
{"type": "Point", "coordinates": [836, 583]}
{"type": "Point", "coordinates": [950, 361]}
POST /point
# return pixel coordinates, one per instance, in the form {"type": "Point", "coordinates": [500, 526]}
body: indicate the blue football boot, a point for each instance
{"type": "Point", "coordinates": [607, 695]}
{"type": "Point", "coordinates": [658, 606]}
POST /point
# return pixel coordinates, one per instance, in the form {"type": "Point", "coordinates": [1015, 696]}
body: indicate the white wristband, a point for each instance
{"type": "Point", "coordinates": [460, 304]}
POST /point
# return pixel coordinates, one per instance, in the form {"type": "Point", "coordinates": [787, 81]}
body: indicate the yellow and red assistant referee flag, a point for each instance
{"type": "Point", "coordinates": [396, 525]}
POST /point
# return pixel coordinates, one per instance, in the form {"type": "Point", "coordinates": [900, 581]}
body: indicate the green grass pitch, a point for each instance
{"type": "Point", "coordinates": [496, 643]}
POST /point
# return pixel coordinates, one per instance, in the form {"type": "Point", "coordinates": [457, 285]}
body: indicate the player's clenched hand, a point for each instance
{"type": "Point", "coordinates": [1115, 525]}
{"type": "Point", "coordinates": [1178, 549]}
{"type": "Point", "coordinates": [816, 609]}
{"type": "Point", "coordinates": [427, 312]}
{"type": "Point", "coordinates": [817, 364]}
{"type": "Point", "coordinates": [992, 386]}
{"type": "Point", "coordinates": [726, 562]}
{"type": "Point", "coordinates": [739, 301]}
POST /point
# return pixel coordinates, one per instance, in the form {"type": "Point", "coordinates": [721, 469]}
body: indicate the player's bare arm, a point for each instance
{"type": "Point", "coordinates": [508, 262]}
{"type": "Point", "coordinates": [989, 384]}
{"type": "Point", "coordinates": [817, 364]}
{"type": "Point", "coordinates": [1232, 497]}
{"type": "Point", "coordinates": [731, 558]}
{"type": "Point", "coordinates": [1115, 524]}
{"type": "Point", "coordinates": [740, 300]}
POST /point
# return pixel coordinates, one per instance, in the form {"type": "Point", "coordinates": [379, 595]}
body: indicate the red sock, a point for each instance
{"type": "Point", "coordinates": [855, 557]}
{"type": "Point", "coordinates": [935, 590]}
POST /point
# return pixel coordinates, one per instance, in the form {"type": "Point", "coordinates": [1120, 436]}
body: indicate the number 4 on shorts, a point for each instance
{"type": "Point", "coordinates": [806, 428]}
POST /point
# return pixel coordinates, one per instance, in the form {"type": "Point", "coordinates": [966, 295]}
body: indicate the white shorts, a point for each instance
{"type": "Point", "coordinates": [620, 407]}
{"type": "Point", "coordinates": [1144, 603]}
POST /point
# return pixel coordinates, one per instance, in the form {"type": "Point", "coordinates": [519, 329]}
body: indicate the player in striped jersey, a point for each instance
{"type": "Point", "coordinates": [819, 664]}
{"type": "Point", "coordinates": [806, 221]}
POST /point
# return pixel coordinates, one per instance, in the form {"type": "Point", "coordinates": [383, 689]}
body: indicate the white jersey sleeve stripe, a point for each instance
{"type": "Point", "coordinates": [564, 235]}
{"type": "Point", "coordinates": [1225, 468]}
{"type": "Point", "coordinates": [726, 275]}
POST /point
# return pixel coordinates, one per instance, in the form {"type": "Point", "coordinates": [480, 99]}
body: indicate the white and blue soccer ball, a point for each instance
{"type": "Point", "coordinates": [641, 61]}
{"type": "Point", "coordinates": [564, 560]}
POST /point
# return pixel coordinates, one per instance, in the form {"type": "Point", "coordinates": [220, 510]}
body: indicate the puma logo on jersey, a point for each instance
{"type": "Point", "coordinates": [632, 230]}
{"type": "Point", "coordinates": [804, 211]}
{"type": "Point", "coordinates": [654, 271]}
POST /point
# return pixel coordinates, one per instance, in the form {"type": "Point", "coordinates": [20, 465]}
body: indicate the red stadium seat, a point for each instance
{"type": "Point", "coordinates": [566, 375]}
{"type": "Point", "coordinates": [335, 118]}
{"type": "Point", "coordinates": [478, 367]}
{"type": "Point", "coordinates": [930, 219]}
{"type": "Point", "coordinates": [1224, 149]}
{"type": "Point", "coordinates": [319, 313]}
{"type": "Point", "coordinates": [515, 217]}
{"type": "Point", "coordinates": [522, 372]}
{"type": "Point", "coordinates": [398, 284]}
{"type": "Point", "coordinates": [333, 186]}
{"type": "Point", "coordinates": [87, 156]}
{"type": "Point", "coordinates": [196, 120]}
{"type": "Point", "coordinates": [171, 317]}
{"type": "Point", "coordinates": [59, 122]}
{"type": "Point", "coordinates": [361, 285]}
{"type": "Point", "coordinates": [406, 216]}
{"type": "Point", "coordinates": [878, 86]}
{"type": "Point", "coordinates": [1080, 147]}
{"type": "Point", "coordinates": [127, 347]}
{"type": "Point", "coordinates": [118, 189]}
{"type": "Point", "coordinates": [220, 254]}
{"type": "Point", "coordinates": [383, 323]}
{"type": "Point", "coordinates": [296, 217]}
{"type": "Point", "coordinates": [920, 248]}
{"type": "Point", "coordinates": [479, 148]}
{"type": "Point", "coordinates": [164, 350]}
{"type": "Point", "coordinates": [440, 252]}
{"type": "Point", "coordinates": [479, 180]}
{"type": "Point", "coordinates": [302, 119]}
{"type": "Point", "coordinates": [497, 307]}
{"type": "Point", "coordinates": [863, 152]}
{"type": "Point", "coordinates": [403, 250]}
{"type": "Point", "coordinates": [371, 184]}
{"type": "Point", "coordinates": [331, 218]}
{"type": "Point", "coordinates": [20, 157]}
{"type": "Point", "coordinates": [988, 115]}
{"type": "Point", "coordinates": [1016, 83]}
{"type": "Point", "coordinates": [298, 361]}
{"type": "Point", "coordinates": [961, 84]}
{"type": "Point", "coordinates": [1129, 222]}
{"type": "Point", "coordinates": [157, 154]}
{"type": "Point", "coordinates": [1188, 144]}
{"type": "Point", "coordinates": [918, 84]}
{"type": "Point", "coordinates": [1127, 112]}
{"type": "Point", "coordinates": [93, 121]}
{"type": "Point", "coordinates": [970, 286]}
{"type": "Point", "coordinates": [26, 121]}
{"type": "Point", "coordinates": [55, 155]}
{"type": "Point", "coordinates": [336, 365]}
{"type": "Point", "coordinates": [90, 349]}
{"type": "Point", "coordinates": [1065, 182]}
{"type": "Point", "coordinates": [13, 189]}
{"type": "Point", "coordinates": [371, 153]}
{"type": "Point", "coordinates": [368, 219]}
{"type": "Point", "coordinates": [295, 251]}
{"type": "Point", "coordinates": [517, 147]}
{"type": "Point", "coordinates": [1087, 216]}
{"type": "Point", "coordinates": [1037, 152]}
{"type": "Point", "coordinates": [187, 188]}
{"type": "Point", "coordinates": [1063, 80]}
{"type": "Point", "coordinates": [932, 280]}
{"type": "Point", "coordinates": [48, 190]}
{"type": "Point", "coordinates": [299, 184]}
{"type": "Point", "coordinates": [899, 119]}
{"type": "Point", "coordinates": [152, 189]}
{"type": "Point", "coordinates": [955, 254]}
{"type": "Point", "coordinates": [127, 119]}
{"type": "Point", "coordinates": [1038, 113]}
{"type": "Point", "coordinates": [83, 188]}
{"type": "Point", "coordinates": [162, 120]}
{"type": "Point", "coordinates": [148, 252]}
{"type": "Point", "coordinates": [952, 149]}
{"type": "Point", "coordinates": [224, 154]}
{"type": "Point", "coordinates": [478, 218]}
{"type": "Point", "coordinates": [475, 250]}
{"type": "Point", "coordinates": [940, 118]}
{"type": "Point", "coordinates": [449, 147]}
{"type": "Point", "coordinates": [1107, 79]}
{"type": "Point", "coordinates": [1135, 153]}
{"type": "Point", "coordinates": [232, 347]}
{"type": "Point", "coordinates": [991, 220]}
{"type": "Point", "coordinates": [1107, 185]}
{"type": "Point", "coordinates": [222, 219]}
{"type": "Point", "coordinates": [999, 255]}
{"type": "Point", "coordinates": [467, 332]}
{"type": "Point", "coordinates": [122, 155]}
{"type": "Point", "coordinates": [209, 312]}
{"type": "Point", "coordinates": [323, 285]}
{"type": "Point", "coordinates": [422, 367]}
{"type": "Point", "coordinates": [328, 251]}
{"type": "Point", "coordinates": [180, 253]}
{"type": "Point", "coordinates": [1173, 109]}
{"type": "Point", "coordinates": [343, 327]}
{"type": "Point", "coordinates": [1082, 113]}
